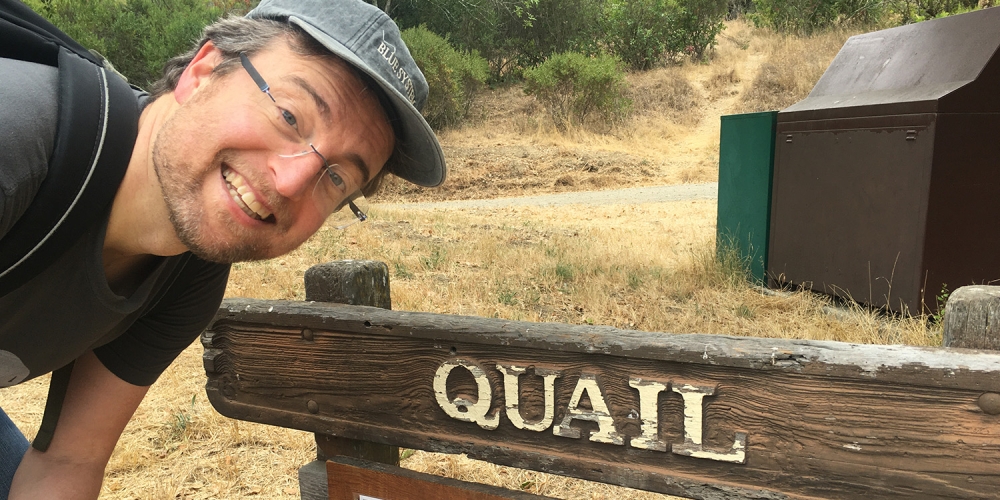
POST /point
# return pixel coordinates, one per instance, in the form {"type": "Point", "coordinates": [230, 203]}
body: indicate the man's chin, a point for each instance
{"type": "Point", "coordinates": [229, 255]}
{"type": "Point", "coordinates": [215, 250]}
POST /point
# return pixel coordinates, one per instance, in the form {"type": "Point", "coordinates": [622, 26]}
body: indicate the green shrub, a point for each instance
{"type": "Point", "coordinates": [911, 11]}
{"type": "Point", "coordinates": [638, 31]}
{"type": "Point", "coordinates": [642, 33]}
{"type": "Point", "coordinates": [795, 16]}
{"type": "Point", "coordinates": [454, 77]}
{"type": "Point", "coordinates": [697, 23]}
{"type": "Point", "coordinates": [572, 86]}
{"type": "Point", "coordinates": [807, 16]}
{"type": "Point", "coordinates": [549, 27]}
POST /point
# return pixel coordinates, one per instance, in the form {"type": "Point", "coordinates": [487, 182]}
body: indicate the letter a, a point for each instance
{"type": "Point", "coordinates": [606, 432]}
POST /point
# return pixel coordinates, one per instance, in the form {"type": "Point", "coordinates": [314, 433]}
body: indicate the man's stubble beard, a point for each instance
{"type": "Point", "coordinates": [181, 186]}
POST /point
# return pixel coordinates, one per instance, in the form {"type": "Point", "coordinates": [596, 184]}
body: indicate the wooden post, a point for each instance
{"type": "Point", "coordinates": [359, 283]}
{"type": "Point", "coordinates": [972, 318]}
{"type": "Point", "coordinates": [351, 282]}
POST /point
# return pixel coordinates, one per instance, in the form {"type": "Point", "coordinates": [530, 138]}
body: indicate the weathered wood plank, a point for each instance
{"type": "Point", "coordinates": [772, 418]}
{"type": "Point", "coordinates": [972, 318]}
{"type": "Point", "coordinates": [351, 479]}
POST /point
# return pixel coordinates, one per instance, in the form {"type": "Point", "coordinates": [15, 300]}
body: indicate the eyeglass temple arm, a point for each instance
{"type": "Point", "coordinates": [357, 211]}
{"type": "Point", "coordinates": [259, 80]}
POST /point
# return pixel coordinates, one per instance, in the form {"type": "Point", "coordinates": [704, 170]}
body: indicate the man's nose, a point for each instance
{"type": "Point", "coordinates": [294, 176]}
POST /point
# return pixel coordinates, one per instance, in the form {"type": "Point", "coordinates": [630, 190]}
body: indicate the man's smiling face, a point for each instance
{"type": "Point", "coordinates": [229, 159]}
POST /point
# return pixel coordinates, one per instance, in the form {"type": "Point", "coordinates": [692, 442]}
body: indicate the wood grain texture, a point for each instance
{"type": "Point", "coordinates": [822, 419]}
{"type": "Point", "coordinates": [354, 282]}
{"type": "Point", "coordinates": [331, 446]}
{"type": "Point", "coordinates": [350, 477]}
{"type": "Point", "coordinates": [972, 318]}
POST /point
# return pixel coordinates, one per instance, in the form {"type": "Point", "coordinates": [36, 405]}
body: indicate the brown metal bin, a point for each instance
{"type": "Point", "coordinates": [886, 175]}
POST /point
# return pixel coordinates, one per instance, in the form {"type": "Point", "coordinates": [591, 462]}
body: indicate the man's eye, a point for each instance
{"type": "Point", "coordinates": [335, 177]}
{"type": "Point", "coordinates": [289, 118]}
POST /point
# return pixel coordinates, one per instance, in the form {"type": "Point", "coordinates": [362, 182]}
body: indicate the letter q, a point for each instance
{"type": "Point", "coordinates": [474, 411]}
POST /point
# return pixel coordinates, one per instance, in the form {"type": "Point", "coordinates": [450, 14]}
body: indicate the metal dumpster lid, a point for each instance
{"type": "Point", "coordinates": [948, 65]}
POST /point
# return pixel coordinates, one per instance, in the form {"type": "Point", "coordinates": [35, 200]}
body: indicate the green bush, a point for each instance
{"type": "Point", "coordinates": [572, 86]}
{"type": "Point", "coordinates": [550, 27]}
{"type": "Point", "coordinates": [645, 32]}
{"type": "Point", "coordinates": [795, 16]}
{"type": "Point", "coordinates": [454, 77]}
{"type": "Point", "coordinates": [137, 36]}
{"type": "Point", "coordinates": [697, 23]}
{"type": "Point", "coordinates": [911, 11]}
{"type": "Point", "coordinates": [638, 31]}
{"type": "Point", "coordinates": [807, 16]}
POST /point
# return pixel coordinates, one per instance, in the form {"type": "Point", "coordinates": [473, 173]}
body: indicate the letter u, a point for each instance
{"type": "Point", "coordinates": [512, 394]}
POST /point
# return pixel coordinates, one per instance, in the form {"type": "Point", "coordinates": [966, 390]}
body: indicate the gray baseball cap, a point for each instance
{"type": "Point", "coordinates": [364, 36]}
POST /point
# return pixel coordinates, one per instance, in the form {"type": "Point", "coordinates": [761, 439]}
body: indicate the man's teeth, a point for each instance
{"type": "Point", "coordinates": [243, 195]}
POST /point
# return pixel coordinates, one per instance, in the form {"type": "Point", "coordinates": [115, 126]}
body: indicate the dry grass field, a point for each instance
{"type": "Point", "coordinates": [648, 267]}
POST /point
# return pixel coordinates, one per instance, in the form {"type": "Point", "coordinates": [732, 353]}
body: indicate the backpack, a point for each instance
{"type": "Point", "coordinates": [98, 123]}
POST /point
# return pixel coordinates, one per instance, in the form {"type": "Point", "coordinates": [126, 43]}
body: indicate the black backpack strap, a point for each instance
{"type": "Point", "coordinates": [53, 407]}
{"type": "Point", "coordinates": [97, 129]}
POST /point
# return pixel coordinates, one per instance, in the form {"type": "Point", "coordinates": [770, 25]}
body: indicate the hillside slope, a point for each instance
{"type": "Point", "coordinates": [509, 146]}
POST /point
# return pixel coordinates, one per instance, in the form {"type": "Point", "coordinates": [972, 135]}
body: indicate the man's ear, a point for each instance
{"type": "Point", "coordinates": [197, 72]}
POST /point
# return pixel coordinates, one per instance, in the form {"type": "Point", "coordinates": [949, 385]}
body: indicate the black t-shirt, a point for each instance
{"type": "Point", "coordinates": [69, 307]}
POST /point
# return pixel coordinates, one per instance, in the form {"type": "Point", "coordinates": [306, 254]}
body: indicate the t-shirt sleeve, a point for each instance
{"type": "Point", "coordinates": [145, 350]}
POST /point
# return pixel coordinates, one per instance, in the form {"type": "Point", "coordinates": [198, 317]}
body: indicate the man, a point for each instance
{"type": "Point", "coordinates": [250, 141]}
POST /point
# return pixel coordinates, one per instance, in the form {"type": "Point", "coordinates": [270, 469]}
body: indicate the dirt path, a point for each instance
{"type": "Point", "coordinates": [628, 196]}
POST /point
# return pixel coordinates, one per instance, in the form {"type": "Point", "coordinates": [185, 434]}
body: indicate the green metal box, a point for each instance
{"type": "Point", "coordinates": [746, 159]}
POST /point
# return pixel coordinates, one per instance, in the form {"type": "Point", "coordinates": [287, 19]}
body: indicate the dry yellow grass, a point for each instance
{"type": "Point", "coordinates": [788, 68]}
{"type": "Point", "coordinates": [649, 267]}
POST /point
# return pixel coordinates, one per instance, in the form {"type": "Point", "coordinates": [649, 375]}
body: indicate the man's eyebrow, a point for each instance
{"type": "Point", "coordinates": [360, 162]}
{"type": "Point", "coordinates": [324, 108]}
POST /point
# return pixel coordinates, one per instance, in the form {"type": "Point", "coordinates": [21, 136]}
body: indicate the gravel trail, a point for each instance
{"type": "Point", "coordinates": [628, 196]}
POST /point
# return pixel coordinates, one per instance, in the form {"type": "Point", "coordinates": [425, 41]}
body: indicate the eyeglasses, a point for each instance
{"type": "Point", "coordinates": [330, 187]}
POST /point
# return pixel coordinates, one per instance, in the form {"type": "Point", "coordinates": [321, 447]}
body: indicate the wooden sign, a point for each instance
{"type": "Point", "coordinates": [701, 416]}
{"type": "Point", "coordinates": [356, 479]}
